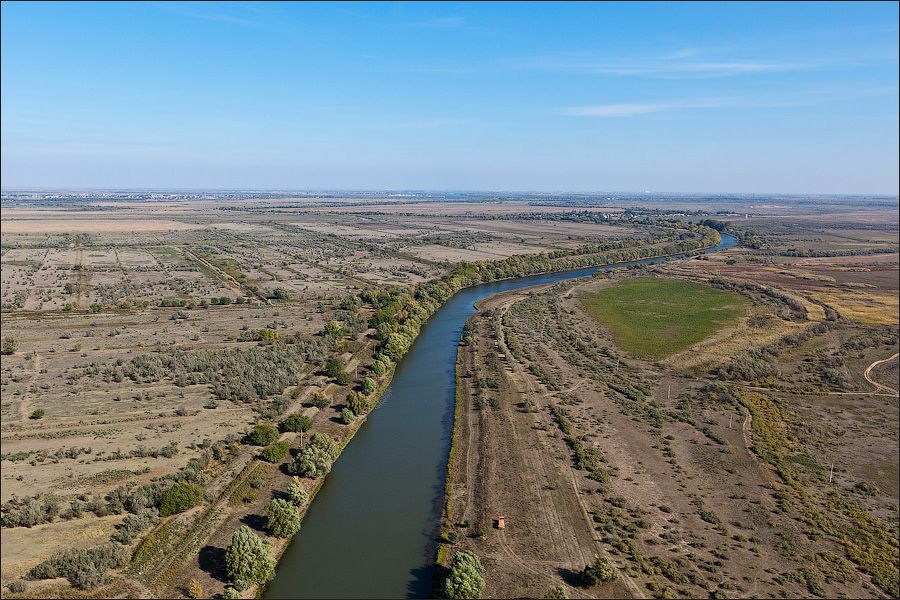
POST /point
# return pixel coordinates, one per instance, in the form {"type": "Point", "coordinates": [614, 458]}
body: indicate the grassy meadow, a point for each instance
{"type": "Point", "coordinates": [653, 318]}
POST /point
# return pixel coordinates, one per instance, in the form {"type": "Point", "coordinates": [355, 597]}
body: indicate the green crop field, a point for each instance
{"type": "Point", "coordinates": [653, 318]}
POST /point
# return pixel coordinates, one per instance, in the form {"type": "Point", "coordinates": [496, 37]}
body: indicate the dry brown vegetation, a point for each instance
{"type": "Point", "coordinates": [761, 462]}
{"type": "Point", "coordinates": [148, 337]}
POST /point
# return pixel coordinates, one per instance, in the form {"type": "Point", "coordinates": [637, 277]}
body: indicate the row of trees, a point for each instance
{"type": "Point", "coordinates": [399, 313]}
{"type": "Point", "coordinates": [248, 558]}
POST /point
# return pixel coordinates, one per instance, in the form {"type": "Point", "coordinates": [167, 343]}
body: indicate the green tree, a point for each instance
{"type": "Point", "coordinates": [297, 422]}
{"type": "Point", "coordinates": [334, 366]}
{"type": "Point", "coordinates": [600, 571]}
{"type": "Point", "coordinates": [335, 329]}
{"type": "Point", "coordinates": [262, 434]}
{"type": "Point", "coordinates": [357, 403]}
{"type": "Point", "coordinates": [466, 577]}
{"type": "Point", "coordinates": [10, 345]}
{"type": "Point", "coordinates": [316, 458]}
{"type": "Point", "coordinates": [275, 453]}
{"type": "Point", "coordinates": [248, 559]}
{"type": "Point", "coordinates": [284, 521]}
{"type": "Point", "coordinates": [180, 497]}
{"type": "Point", "coordinates": [396, 346]}
{"type": "Point", "coordinates": [369, 385]}
{"type": "Point", "coordinates": [347, 416]}
{"type": "Point", "coordinates": [297, 493]}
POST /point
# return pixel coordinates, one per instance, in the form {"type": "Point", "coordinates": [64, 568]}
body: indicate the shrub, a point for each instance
{"type": "Point", "coordinates": [334, 329]}
{"type": "Point", "coordinates": [466, 576]}
{"type": "Point", "coordinates": [248, 559]}
{"type": "Point", "coordinates": [284, 521]}
{"type": "Point", "coordinates": [133, 525]}
{"type": "Point", "coordinates": [84, 569]}
{"type": "Point", "coordinates": [17, 587]}
{"type": "Point", "coordinates": [600, 571]}
{"type": "Point", "coordinates": [369, 386]}
{"type": "Point", "coordinates": [195, 589]}
{"type": "Point", "coordinates": [267, 335]}
{"type": "Point", "coordinates": [229, 593]}
{"type": "Point", "coordinates": [296, 493]}
{"type": "Point", "coordinates": [10, 345]}
{"type": "Point", "coordinates": [557, 592]}
{"type": "Point", "coordinates": [28, 512]}
{"type": "Point", "coordinates": [262, 434]}
{"type": "Point", "coordinates": [180, 497]}
{"type": "Point", "coordinates": [347, 416]}
{"type": "Point", "coordinates": [275, 453]}
{"type": "Point", "coordinates": [297, 422]}
{"type": "Point", "coordinates": [38, 413]}
{"type": "Point", "coordinates": [320, 400]}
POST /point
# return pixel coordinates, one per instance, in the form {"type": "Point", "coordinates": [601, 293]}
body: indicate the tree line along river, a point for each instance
{"type": "Point", "coordinates": [372, 530]}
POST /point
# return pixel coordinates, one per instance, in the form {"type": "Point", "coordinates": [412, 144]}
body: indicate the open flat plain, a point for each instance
{"type": "Point", "coordinates": [148, 337]}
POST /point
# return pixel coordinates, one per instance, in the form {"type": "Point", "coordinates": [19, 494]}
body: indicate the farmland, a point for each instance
{"type": "Point", "coordinates": [144, 341]}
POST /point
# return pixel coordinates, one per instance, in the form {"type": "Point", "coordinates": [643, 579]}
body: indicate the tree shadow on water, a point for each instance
{"type": "Point", "coordinates": [212, 561]}
{"type": "Point", "coordinates": [423, 579]}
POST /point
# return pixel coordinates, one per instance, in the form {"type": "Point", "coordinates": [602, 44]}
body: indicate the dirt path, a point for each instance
{"type": "Point", "coordinates": [510, 465]}
{"type": "Point", "coordinates": [881, 386]}
{"type": "Point", "coordinates": [25, 402]}
{"type": "Point", "coordinates": [230, 281]}
{"type": "Point", "coordinates": [519, 374]}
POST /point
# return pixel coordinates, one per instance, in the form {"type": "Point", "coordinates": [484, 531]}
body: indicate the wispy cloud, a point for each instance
{"type": "Point", "coordinates": [201, 11]}
{"type": "Point", "coordinates": [787, 99]}
{"type": "Point", "coordinates": [633, 109]}
{"type": "Point", "coordinates": [448, 22]}
{"type": "Point", "coordinates": [684, 63]}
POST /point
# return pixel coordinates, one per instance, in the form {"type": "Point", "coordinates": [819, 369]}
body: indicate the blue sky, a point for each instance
{"type": "Point", "coordinates": [588, 97]}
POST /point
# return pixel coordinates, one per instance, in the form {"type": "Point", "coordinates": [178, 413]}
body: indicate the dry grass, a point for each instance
{"type": "Point", "coordinates": [23, 547]}
{"type": "Point", "coordinates": [868, 308]}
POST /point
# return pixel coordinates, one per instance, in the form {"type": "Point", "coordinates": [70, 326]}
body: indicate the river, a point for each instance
{"type": "Point", "coordinates": [372, 530]}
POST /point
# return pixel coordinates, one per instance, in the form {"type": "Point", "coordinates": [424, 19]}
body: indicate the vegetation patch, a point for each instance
{"type": "Point", "coordinates": [653, 318]}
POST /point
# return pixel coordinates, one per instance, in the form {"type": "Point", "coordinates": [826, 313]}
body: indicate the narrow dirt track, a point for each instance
{"type": "Point", "coordinates": [881, 386]}
{"type": "Point", "coordinates": [551, 489]}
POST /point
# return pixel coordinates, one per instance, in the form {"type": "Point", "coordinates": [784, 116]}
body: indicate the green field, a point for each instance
{"type": "Point", "coordinates": [653, 318]}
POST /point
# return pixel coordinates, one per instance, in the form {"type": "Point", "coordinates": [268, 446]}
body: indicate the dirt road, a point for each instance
{"type": "Point", "coordinates": [881, 386]}
{"type": "Point", "coordinates": [509, 462]}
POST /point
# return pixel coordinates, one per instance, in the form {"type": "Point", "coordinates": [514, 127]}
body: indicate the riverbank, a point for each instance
{"type": "Point", "coordinates": [507, 463]}
{"type": "Point", "coordinates": [346, 514]}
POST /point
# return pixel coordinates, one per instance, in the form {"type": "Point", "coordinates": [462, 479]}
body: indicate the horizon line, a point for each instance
{"type": "Point", "coordinates": [251, 190]}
